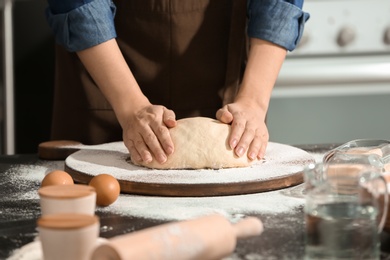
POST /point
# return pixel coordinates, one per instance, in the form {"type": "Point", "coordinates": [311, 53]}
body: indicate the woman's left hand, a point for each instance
{"type": "Point", "coordinates": [248, 111]}
{"type": "Point", "coordinates": [249, 131]}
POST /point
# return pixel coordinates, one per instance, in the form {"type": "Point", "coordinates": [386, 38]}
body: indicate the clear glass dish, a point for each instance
{"type": "Point", "coordinates": [362, 147]}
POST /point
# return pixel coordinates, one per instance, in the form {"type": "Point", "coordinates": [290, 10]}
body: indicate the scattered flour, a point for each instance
{"type": "Point", "coordinates": [318, 156]}
{"type": "Point", "coordinates": [111, 158]}
{"type": "Point", "coordinates": [180, 208]}
{"type": "Point", "coordinates": [30, 251]}
{"type": "Point", "coordinates": [33, 250]}
{"type": "Point", "coordinates": [168, 208]}
{"type": "Point", "coordinates": [25, 176]}
{"type": "Point", "coordinates": [281, 160]}
{"type": "Point", "coordinates": [155, 207]}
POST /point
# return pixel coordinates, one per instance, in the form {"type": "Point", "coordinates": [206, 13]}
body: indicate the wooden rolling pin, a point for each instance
{"type": "Point", "coordinates": [206, 238]}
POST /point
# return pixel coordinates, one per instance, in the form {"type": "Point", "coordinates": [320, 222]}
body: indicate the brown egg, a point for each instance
{"type": "Point", "coordinates": [57, 177]}
{"type": "Point", "coordinates": [107, 189]}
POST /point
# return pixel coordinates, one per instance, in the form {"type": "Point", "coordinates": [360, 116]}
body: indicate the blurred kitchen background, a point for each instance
{"type": "Point", "coordinates": [334, 88]}
{"type": "Point", "coordinates": [33, 68]}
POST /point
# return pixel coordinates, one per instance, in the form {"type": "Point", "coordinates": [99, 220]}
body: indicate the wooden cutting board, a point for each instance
{"type": "Point", "coordinates": [281, 168]}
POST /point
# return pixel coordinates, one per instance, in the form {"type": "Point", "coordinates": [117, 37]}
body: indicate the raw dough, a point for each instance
{"type": "Point", "coordinates": [200, 143]}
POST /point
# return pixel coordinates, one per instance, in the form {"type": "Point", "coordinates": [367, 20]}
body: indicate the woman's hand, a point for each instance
{"type": "Point", "coordinates": [145, 126]}
{"type": "Point", "coordinates": [146, 133]}
{"type": "Point", "coordinates": [249, 131]}
{"type": "Point", "coordinates": [248, 111]}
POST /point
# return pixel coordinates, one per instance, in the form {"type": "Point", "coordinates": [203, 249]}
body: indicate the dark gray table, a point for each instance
{"type": "Point", "coordinates": [18, 220]}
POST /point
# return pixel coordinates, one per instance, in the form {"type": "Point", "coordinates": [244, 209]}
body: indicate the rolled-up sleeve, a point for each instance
{"type": "Point", "coordinates": [86, 25]}
{"type": "Point", "coordinates": [278, 21]}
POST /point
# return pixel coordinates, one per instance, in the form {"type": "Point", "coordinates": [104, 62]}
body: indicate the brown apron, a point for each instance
{"type": "Point", "coordinates": [187, 55]}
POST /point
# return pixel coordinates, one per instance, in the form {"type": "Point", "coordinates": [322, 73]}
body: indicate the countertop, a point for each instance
{"type": "Point", "coordinates": [282, 214]}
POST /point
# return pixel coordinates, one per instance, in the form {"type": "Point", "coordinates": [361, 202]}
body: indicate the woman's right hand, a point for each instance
{"type": "Point", "coordinates": [146, 133]}
{"type": "Point", "coordinates": [145, 126]}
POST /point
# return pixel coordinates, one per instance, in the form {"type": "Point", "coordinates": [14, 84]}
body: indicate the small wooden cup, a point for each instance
{"type": "Point", "coordinates": [68, 236]}
{"type": "Point", "coordinates": [75, 198]}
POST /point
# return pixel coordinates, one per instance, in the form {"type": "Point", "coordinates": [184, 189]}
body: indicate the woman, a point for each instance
{"type": "Point", "coordinates": [130, 68]}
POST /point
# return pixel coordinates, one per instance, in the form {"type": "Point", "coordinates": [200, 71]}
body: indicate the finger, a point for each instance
{"type": "Point", "coordinates": [245, 141]}
{"type": "Point", "coordinates": [224, 115]}
{"type": "Point", "coordinates": [169, 118]}
{"type": "Point", "coordinates": [254, 148]}
{"type": "Point", "coordinates": [258, 146]}
{"type": "Point", "coordinates": [142, 149]}
{"type": "Point", "coordinates": [134, 154]}
{"type": "Point", "coordinates": [164, 139]}
{"type": "Point", "coordinates": [152, 142]}
{"type": "Point", "coordinates": [238, 128]}
{"type": "Point", "coordinates": [264, 144]}
{"type": "Point", "coordinates": [263, 148]}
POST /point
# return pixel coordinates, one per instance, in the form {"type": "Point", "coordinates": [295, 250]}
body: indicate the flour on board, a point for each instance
{"type": "Point", "coordinates": [280, 160]}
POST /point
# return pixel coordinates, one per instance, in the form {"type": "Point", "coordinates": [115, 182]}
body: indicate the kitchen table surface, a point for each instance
{"type": "Point", "coordinates": [283, 236]}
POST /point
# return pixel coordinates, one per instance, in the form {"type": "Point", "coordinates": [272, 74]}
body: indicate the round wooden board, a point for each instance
{"type": "Point", "coordinates": [281, 168]}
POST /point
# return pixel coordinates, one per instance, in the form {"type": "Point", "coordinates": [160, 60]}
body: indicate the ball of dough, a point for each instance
{"type": "Point", "coordinates": [57, 177]}
{"type": "Point", "coordinates": [107, 189]}
{"type": "Point", "coordinates": [200, 143]}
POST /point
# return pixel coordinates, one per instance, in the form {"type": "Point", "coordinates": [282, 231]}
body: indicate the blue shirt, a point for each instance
{"type": "Point", "coordinates": [81, 24]}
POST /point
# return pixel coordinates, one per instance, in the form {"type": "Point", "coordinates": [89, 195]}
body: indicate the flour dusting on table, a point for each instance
{"type": "Point", "coordinates": [168, 208]}
{"type": "Point", "coordinates": [24, 177]}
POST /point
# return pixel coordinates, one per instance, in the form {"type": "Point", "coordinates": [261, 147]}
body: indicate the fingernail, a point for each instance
{"type": "Point", "coordinates": [233, 144]}
{"type": "Point", "coordinates": [148, 158]}
{"type": "Point", "coordinates": [170, 150]}
{"type": "Point", "coordinates": [240, 151]}
{"type": "Point", "coordinates": [252, 156]}
{"type": "Point", "coordinates": [162, 158]}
